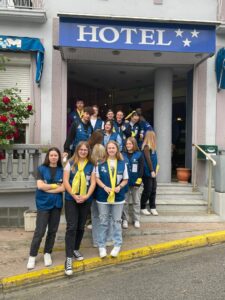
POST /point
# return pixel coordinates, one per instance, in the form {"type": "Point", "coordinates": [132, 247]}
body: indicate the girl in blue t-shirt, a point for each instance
{"type": "Point", "coordinates": [49, 203]}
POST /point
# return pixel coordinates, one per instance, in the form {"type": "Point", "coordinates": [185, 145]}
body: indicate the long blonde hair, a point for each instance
{"type": "Point", "coordinates": [75, 158]}
{"type": "Point", "coordinates": [118, 154]}
{"type": "Point", "coordinates": [98, 154]}
{"type": "Point", "coordinates": [149, 140]}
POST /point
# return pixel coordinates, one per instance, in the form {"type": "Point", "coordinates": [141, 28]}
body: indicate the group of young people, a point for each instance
{"type": "Point", "coordinates": [105, 164]}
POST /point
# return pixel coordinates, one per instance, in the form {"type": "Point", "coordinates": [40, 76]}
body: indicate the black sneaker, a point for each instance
{"type": "Point", "coordinates": [78, 255]}
{"type": "Point", "coordinates": [69, 266]}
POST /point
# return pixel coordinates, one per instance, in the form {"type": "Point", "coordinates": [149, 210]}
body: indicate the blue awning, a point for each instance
{"type": "Point", "coordinates": [220, 68]}
{"type": "Point", "coordinates": [25, 44]}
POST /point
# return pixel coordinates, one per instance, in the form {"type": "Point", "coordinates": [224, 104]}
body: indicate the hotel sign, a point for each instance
{"type": "Point", "coordinates": [108, 34]}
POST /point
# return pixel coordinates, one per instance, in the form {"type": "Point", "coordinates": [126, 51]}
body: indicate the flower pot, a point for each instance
{"type": "Point", "coordinates": [183, 175]}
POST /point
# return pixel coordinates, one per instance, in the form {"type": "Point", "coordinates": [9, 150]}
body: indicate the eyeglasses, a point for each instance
{"type": "Point", "coordinates": [83, 150]}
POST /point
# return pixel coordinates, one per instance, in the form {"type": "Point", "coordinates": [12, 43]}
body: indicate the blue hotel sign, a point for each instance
{"type": "Point", "coordinates": [108, 34]}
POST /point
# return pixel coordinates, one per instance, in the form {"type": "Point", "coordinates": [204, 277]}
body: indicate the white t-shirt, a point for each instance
{"type": "Point", "coordinates": [67, 167]}
{"type": "Point", "coordinates": [93, 122]}
{"type": "Point", "coordinates": [125, 176]}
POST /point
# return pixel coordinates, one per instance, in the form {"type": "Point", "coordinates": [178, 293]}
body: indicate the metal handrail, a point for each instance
{"type": "Point", "coordinates": [212, 163]}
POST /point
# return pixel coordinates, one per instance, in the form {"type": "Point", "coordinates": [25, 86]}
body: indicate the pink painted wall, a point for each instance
{"type": "Point", "coordinates": [59, 93]}
{"type": "Point", "coordinates": [35, 129]}
{"type": "Point", "coordinates": [199, 116]}
{"type": "Point", "coordinates": [220, 119]}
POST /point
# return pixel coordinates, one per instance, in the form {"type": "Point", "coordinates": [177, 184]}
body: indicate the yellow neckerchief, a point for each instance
{"type": "Point", "coordinates": [79, 184]}
{"type": "Point", "coordinates": [111, 197]}
{"type": "Point", "coordinates": [80, 113]}
{"type": "Point", "coordinates": [130, 114]}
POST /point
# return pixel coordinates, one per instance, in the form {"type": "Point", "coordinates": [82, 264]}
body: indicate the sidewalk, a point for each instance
{"type": "Point", "coordinates": [15, 243]}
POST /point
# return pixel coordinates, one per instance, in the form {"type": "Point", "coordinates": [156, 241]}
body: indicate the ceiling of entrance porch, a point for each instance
{"type": "Point", "coordinates": [117, 75]}
{"type": "Point", "coordinates": [109, 69]}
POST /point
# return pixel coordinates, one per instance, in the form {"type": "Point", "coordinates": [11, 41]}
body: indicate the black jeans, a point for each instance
{"type": "Point", "coordinates": [76, 216]}
{"type": "Point", "coordinates": [46, 218]}
{"type": "Point", "coordinates": [149, 192]}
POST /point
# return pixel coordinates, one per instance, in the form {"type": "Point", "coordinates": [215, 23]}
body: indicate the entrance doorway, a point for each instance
{"type": "Point", "coordinates": [127, 86]}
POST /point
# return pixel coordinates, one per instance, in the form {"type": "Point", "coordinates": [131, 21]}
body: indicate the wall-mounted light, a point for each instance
{"type": "Point", "coordinates": [198, 55]}
{"type": "Point", "coordinates": [179, 119]}
{"type": "Point", "coordinates": [72, 50]}
{"type": "Point", "coordinates": [116, 52]}
{"type": "Point", "coordinates": [157, 54]}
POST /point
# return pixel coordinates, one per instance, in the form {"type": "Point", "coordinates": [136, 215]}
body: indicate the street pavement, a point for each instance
{"type": "Point", "coordinates": [197, 274]}
{"type": "Point", "coordinates": [15, 243]}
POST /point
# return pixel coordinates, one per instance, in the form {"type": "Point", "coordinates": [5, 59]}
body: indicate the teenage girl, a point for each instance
{"type": "Point", "coordinates": [49, 203]}
{"type": "Point", "coordinates": [79, 181]}
{"type": "Point", "coordinates": [111, 178]}
{"type": "Point", "coordinates": [109, 135]}
{"type": "Point", "coordinates": [98, 156]}
{"type": "Point", "coordinates": [135, 164]}
{"type": "Point", "coordinates": [150, 172]}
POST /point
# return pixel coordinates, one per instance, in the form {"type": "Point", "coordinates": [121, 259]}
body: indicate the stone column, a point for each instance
{"type": "Point", "coordinates": [163, 89]}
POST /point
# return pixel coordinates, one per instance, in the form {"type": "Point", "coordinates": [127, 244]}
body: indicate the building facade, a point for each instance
{"type": "Point", "coordinates": [155, 54]}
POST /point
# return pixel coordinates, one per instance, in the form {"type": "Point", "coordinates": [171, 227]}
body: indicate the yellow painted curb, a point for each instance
{"type": "Point", "coordinates": [96, 262]}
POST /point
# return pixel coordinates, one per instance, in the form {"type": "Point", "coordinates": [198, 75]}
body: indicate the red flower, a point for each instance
{"type": "Point", "coordinates": [1, 133]}
{"type": "Point", "coordinates": [13, 123]}
{"type": "Point", "coordinates": [16, 134]}
{"type": "Point", "coordinates": [3, 119]}
{"type": "Point", "coordinates": [29, 107]}
{"type": "Point", "coordinates": [12, 115]}
{"type": "Point", "coordinates": [9, 136]}
{"type": "Point", "coordinates": [5, 99]}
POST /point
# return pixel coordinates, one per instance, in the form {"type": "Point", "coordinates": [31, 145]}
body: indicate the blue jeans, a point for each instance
{"type": "Point", "coordinates": [95, 224]}
{"type": "Point", "coordinates": [105, 210]}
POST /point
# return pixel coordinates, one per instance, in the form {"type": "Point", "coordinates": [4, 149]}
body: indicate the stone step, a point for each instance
{"type": "Point", "coordinates": [181, 196]}
{"type": "Point", "coordinates": [182, 208]}
{"type": "Point", "coordinates": [182, 217]}
{"type": "Point", "coordinates": [175, 184]}
{"type": "Point", "coordinates": [181, 205]}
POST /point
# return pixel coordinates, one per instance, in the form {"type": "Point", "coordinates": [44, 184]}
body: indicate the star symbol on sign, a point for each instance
{"type": "Point", "coordinates": [195, 33]}
{"type": "Point", "coordinates": [186, 43]}
{"type": "Point", "coordinates": [179, 32]}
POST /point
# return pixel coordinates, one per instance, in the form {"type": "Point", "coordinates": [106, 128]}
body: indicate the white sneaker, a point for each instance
{"type": "Point", "coordinates": [115, 251]}
{"type": "Point", "coordinates": [47, 259]}
{"type": "Point", "coordinates": [69, 266]}
{"type": "Point", "coordinates": [145, 212]}
{"type": "Point", "coordinates": [102, 252]}
{"type": "Point", "coordinates": [89, 226]}
{"type": "Point", "coordinates": [125, 224]}
{"type": "Point", "coordinates": [31, 262]}
{"type": "Point", "coordinates": [154, 212]}
{"type": "Point", "coordinates": [137, 224]}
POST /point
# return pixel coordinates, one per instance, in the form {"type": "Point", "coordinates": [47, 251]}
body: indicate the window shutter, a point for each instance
{"type": "Point", "coordinates": [16, 76]}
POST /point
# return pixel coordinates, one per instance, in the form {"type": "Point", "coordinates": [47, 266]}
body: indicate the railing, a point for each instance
{"type": "Point", "coordinates": [22, 4]}
{"type": "Point", "coordinates": [18, 165]}
{"type": "Point", "coordinates": [211, 163]}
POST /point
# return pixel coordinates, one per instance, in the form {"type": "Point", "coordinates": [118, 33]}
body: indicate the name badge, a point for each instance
{"type": "Point", "coordinates": [134, 168]}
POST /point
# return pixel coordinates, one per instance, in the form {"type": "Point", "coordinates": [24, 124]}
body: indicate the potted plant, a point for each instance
{"type": "Point", "coordinates": [183, 175]}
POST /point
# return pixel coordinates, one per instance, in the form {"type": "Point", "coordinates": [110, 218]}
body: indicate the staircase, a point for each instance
{"type": "Point", "coordinates": [178, 197]}
{"type": "Point", "coordinates": [176, 202]}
